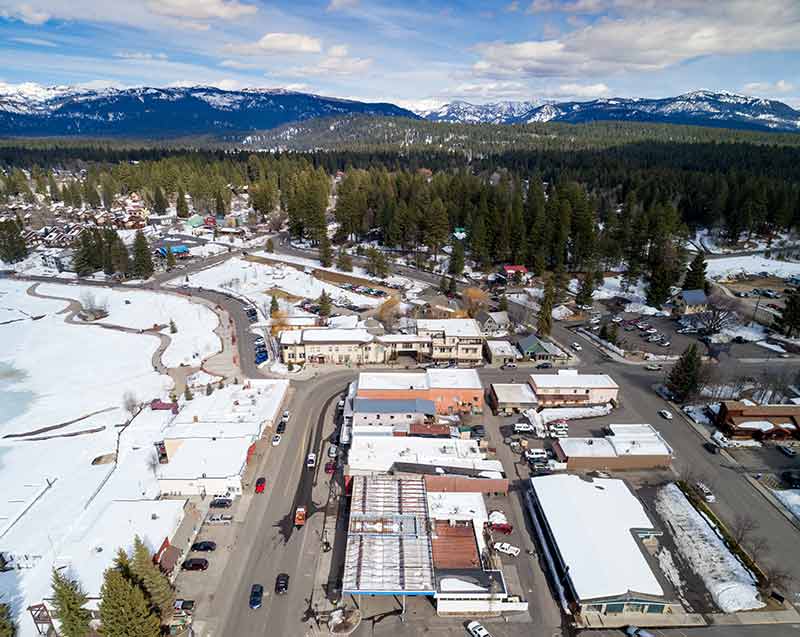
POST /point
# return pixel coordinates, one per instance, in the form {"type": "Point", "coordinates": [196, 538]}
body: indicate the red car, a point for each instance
{"type": "Point", "coordinates": [505, 529]}
{"type": "Point", "coordinates": [260, 484]}
{"type": "Point", "coordinates": [330, 467]}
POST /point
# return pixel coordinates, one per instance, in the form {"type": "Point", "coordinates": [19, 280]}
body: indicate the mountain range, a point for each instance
{"type": "Point", "coordinates": [33, 110]}
{"type": "Point", "coordinates": [703, 108]}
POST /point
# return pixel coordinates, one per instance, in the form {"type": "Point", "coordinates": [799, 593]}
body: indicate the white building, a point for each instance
{"type": "Point", "coordinates": [204, 466]}
{"type": "Point", "coordinates": [458, 340]}
{"type": "Point", "coordinates": [500, 352]}
{"type": "Point", "coordinates": [569, 388]}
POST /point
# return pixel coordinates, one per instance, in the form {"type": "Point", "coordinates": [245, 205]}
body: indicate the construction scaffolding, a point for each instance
{"type": "Point", "coordinates": [388, 539]}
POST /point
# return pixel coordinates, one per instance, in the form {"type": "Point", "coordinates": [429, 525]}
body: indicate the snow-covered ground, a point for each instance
{"type": "Point", "coordinates": [731, 266]}
{"type": "Point", "coordinates": [612, 287]}
{"type": "Point", "coordinates": [790, 499]}
{"type": "Point", "coordinates": [731, 585]}
{"type": "Point", "coordinates": [190, 345]}
{"type": "Point", "coordinates": [712, 243]}
{"type": "Point", "coordinates": [771, 346]}
{"type": "Point", "coordinates": [254, 280]}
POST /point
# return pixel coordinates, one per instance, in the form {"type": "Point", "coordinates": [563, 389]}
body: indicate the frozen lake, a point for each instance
{"type": "Point", "coordinates": [13, 402]}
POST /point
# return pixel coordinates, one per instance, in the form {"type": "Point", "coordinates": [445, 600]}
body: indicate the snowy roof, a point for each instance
{"type": "Point", "coordinates": [198, 457]}
{"type": "Point", "coordinates": [586, 447]}
{"type": "Point", "coordinates": [571, 378]}
{"type": "Point", "coordinates": [593, 523]}
{"type": "Point", "coordinates": [444, 505]}
{"type": "Point", "coordinates": [392, 380]}
{"type": "Point", "coordinates": [454, 379]}
{"type": "Point", "coordinates": [336, 335]}
{"type": "Point", "coordinates": [404, 338]}
{"type": "Point", "coordinates": [346, 321]}
{"type": "Point", "coordinates": [501, 348]}
{"type": "Point", "coordinates": [291, 337]}
{"type": "Point", "coordinates": [514, 393]}
{"type": "Point", "coordinates": [465, 328]}
{"type": "Point", "coordinates": [91, 547]}
{"type": "Point", "coordinates": [638, 440]}
{"type": "Point", "coordinates": [694, 297]}
{"type": "Point", "coordinates": [378, 406]}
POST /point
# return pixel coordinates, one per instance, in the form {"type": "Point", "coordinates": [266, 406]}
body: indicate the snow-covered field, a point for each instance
{"type": "Point", "coordinates": [731, 266]}
{"type": "Point", "coordinates": [731, 585]}
{"type": "Point", "coordinates": [56, 372]}
{"type": "Point", "coordinates": [254, 280]}
{"type": "Point", "coordinates": [790, 499]}
{"type": "Point", "coordinates": [190, 345]}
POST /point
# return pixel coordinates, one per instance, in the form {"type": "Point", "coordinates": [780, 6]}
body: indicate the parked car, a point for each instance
{"type": "Point", "coordinates": [576, 346]}
{"type": "Point", "coordinates": [205, 545]}
{"type": "Point", "coordinates": [711, 447]}
{"type": "Point", "coordinates": [635, 631]}
{"type": "Point", "coordinates": [311, 460]}
{"type": "Point", "coordinates": [791, 478]}
{"type": "Point", "coordinates": [256, 595]}
{"type": "Point", "coordinates": [664, 344]}
{"type": "Point", "coordinates": [286, 415]}
{"type": "Point", "coordinates": [653, 367]}
{"type": "Point", "coordinates": [261, 483]}
{"type": "Point", "coordinates": [332, 451]}
{"type": "Point", "coordinates": [261, 357]}
{"type": "Point", "coordinates": [476, 629]}
{"type": "Point", "coordinates": [506, 548]}
{"type": "Point", "coordinates": [224, 519]}
{"type": "Point", "coordinates": [282, 583]}
{"type": "Point", "coordinates": [220, 503]}
{"type": "Point", "coordinates": [502, 527]}
{"type": "Point", "coordinates": [276, 440]}
{"type": "Point", "coordinates": [544, 365]}
{"type": "Point", "coordinates": [705, 492]}
{"type": "Point", "coordinates": [787, 451]}
{"type": "Point", "coordinates": [330, 467]}
{"type": "Point", "coordinates": [508, 366]}
{"type": "Point", "coordinates": [281, 427]}
{"type": "Point", "coordinates": [478, 431]}
{"type": "Point", "coordinates": [665, 413]}
{"type": "Point", "coordinates": [195, 564]}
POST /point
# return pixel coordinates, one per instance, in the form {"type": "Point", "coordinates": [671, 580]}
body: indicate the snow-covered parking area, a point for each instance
{"type": "Point", "coordinates": [195, 339]}
{"type": "Point", "coordinates": [731, 585]}
{"type": "Point", "coordinates": [790, 498]}
{"type": "Point", "coordinates": [732, 266]}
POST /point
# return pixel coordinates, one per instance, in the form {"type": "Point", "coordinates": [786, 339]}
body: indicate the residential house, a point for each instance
{"type": "Point", "coordinates": [690, 302]}
{"type": "Point", "coordinates": [500, 352]}
{"type": "Point", "coordinates": [493, 322]}
{"type": "Point", "coordinates": [536, 349]}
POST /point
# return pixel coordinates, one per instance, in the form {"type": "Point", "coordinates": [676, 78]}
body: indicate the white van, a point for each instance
{"type": "Point", "coordinates": [535, 454]}
{"type": "Point", "coordinates": [523, 427]}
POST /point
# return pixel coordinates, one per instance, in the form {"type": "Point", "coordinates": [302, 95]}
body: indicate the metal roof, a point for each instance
{"type": "Point", "coordinates": [394, 406]}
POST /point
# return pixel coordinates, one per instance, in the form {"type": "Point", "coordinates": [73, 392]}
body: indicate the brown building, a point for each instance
{"type": "Point", "coordinates": [762, 422]}
{"type": "Point", "coordinates": [628, 448]}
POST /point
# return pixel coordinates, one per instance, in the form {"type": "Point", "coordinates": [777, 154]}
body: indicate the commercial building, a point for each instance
{"type": "Point", "coordinates": [569, 388]}
{"type": "Point", "coordinates": [509, 398]}
{"type": "Point", "coordinates": [330, 345]}
{"type": "Point", "coordinates": [500, 352]}
{"type": "Point", "coordinates": [594, 536]}
{"type": "Point", "coordinates": [762, 422]}
{"type": "Point", "coordinates": [459, 340]}
{"type": "Point", "coordinates": [627, 447]}
{"type": "Point", "coordinates": [451, 390]}
{"type": "Point", "coordinates": [204, 466]}
{"type": "Point", "coordinates": [374, 417]}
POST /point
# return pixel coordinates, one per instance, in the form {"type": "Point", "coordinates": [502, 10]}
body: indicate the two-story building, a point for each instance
{"type": "Point", "coordinates": [457, 340]}
{"type": "Point", "coordinates": [568, 388]}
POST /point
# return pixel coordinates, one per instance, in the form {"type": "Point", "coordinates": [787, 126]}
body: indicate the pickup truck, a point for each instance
{"type": "Point", "coordinates": [505, 547]}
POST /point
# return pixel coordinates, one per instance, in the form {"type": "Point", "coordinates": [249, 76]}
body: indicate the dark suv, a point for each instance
{"type": "Point", "coordinates": [221, 503]}
{"type": "Point", "coordinates": [206, 545]}
{"type": "Point", "coordinates": [195, 564]}
{"type": "Point", "coordinates": [256, 595]}
{"type": "Point", "coordinates": [282, 583]}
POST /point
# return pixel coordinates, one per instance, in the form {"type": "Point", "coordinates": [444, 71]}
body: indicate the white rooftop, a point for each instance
{"type": "Point", "coordinates": [404, 338]}
{"type": "Point", "coordinates": [462, 327]}
{"type": "Point", "coordinates": [336, 335]}
{"type": "Point", "coordinates": [587, 447]}
{"type": "Point", "coordinates": [592, 523]}
{"type": "Point", "coordinates": [571, 378]}
{"type": "Point", "coordinates": [392, 380]}
{"type": "Point", "coordinates": [91, 547]}
{"type": "Point", "coordinates": [502, 348]}
{"type": "Point", "coordinates": [627, 440]}
{"type": "Point", "coordinates": [220, 458]}
{"type": "Point", "coordinates": [454, 379]}
{"type": "Point", "coordinates": [457, 506]}
{"type": "Point", "coordinates": [514, 393]}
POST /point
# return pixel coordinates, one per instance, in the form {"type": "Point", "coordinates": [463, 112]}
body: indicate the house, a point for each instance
{"type": "Point", "coordinates": [500, 352]}
{"type": "Point", "coordinates": [762, 422]}
{"type": "Point", "coordinates": [58, 259]}
{"type": "Point", "coordinates": [514, 272]}
{"type": "Point", "coordinates": [457, 340]}
{"type": "Point", "coordinates": [628, 447]}
{"type": "Point", "coordinates": [690, 302]}
{"type": "Point", "coordinates": [536, 349]}
{"type": "Point", "coordinates": [493, 322]}
{"type": "Point", "coordinates": [569, 388]}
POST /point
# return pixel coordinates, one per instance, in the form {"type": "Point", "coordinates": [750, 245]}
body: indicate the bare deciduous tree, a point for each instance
{"type": "Point", "coordinates": [777, 577]}
{"type": "Point", "coordinates": [720, 314]}
{"type": "Point", "coordinates": [91, 303]}
{"type": "Point", "coordinates": [755, 547]}
{"type": "Point", "coordinates": [743, 526]}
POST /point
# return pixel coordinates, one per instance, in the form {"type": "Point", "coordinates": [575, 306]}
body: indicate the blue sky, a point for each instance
{"type": "Point", "coordinates": [415, 53]}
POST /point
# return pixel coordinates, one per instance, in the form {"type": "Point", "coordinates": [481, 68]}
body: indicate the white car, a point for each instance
{"type": "Point", "coordinates": [311, 461]}
{"type": "Point", "coordinates": [617, 319]}
{"type": "Point", "coordinates": [476, 629]}
{"type": "Point", "coordinates": [286, 415]}
{"type": "Point", "coordinates": [653, 367]}
{"type": "Point", "coordinates": [705, 492]}
{"type": "Point", "coordinates": [276, 440]}
{"type": "Point", "coordinates": [576, 347]}
{"type": "Point", "coordinates": [665, 413]}
{"type": "Point", "coordinates": [595, 321]}
{"type": "Point", "coordinates": [506, 548]}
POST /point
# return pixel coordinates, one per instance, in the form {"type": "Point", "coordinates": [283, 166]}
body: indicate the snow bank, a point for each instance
{"type": "Point", "coordinates": [732, 266]}
{"type": "Point", "coordinates": [790, 498]}
{"type": "Point", "coordinates": [645, 310]}
{"type": "Point", "coordinates": [730, 584]}
{"type": "Point", "coordinates": [772, 346]}
{"type": "Point", "coordinates": [573, 413]}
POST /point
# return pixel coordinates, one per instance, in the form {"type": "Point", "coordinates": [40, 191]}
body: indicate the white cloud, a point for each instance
{"type": "Point", "coordinates": [35, 42]}
{"type": "Point", "coordinates": [336, 65]}
{"type": "Point", "coordinates": [578, 91]}
{"type": "Point", "coordinates": [140, 56]}
{"type": "Point", "coordinates": [26, 13]}
{"type": "Point", "coordinates": [339, 5]}
{"type": "Point", "coordinates": [490, 90]}
{"type": "Point", "coordinates": [202, 9]}
{"type": "Point", "coordinates": [512, 6]}
{"type": "Point", "coordinates": [278, 43]}
{"type": "Point", "coordinates": [236, 64]}
{"type": "Point", "coordinates": [576, 6]}
{"type": "Point", "coordinates": [651, 37]}
{"type": "Point", "coordinates": [338, 51]}
{"type": "Point", "coordinates": [769, 88]}
{"type": "Point", "coordinates": [420, 106]}
{"type": "Point", "coordinates": [299, 87]}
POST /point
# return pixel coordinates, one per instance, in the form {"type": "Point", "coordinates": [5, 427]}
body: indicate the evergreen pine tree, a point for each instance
{"type": "Point", "coordinates": [788, 323]}
{"type": "Point", "coordinates": [120, 259]}
{"type": "Point", "coordinates": [560, 283]}
{"type": "Point", "coordinates": [584, 295]}
{"type": "Point", "coordinates": [181, 207]}
{"type": "Point", "coordinates": [52, 188]}
{"type": "Point", "coordinates": [687, 374]}
{"type": "Point", "coordinates": [170, 258]}
{"type": "Point", "coordinates": [696, 275]}
{"type": "Point", "coordinates": [325, 251]}
{"type": "Point", "coordinates": [209, 389]}
{"type": "Point", "coordinates": [437, 226]}
{"type": "Point", "coordinates": [12, 243]}
{"type": "Point", "coordinates": [457, 259]}
{"type": "Point", "coordinates": [142, 259]}
{"type": "Point", "coordinates": [452, 288]}
{"type": "Point", "coordinates": [68, 602]}
{"type": "Point", "coordinates": [273, 306]}
{"type": "Point", "coordinates": [324, 302]}
{"type": "Point", "coordinates": [444, 284]}
{"type": "Point", "coordinates": [7, 626]}
{"type": "Point", "coordinates": [173, 329]}
{"type": "Point", "coordinates": [658, 287]}
{"type": "Point", "coordinates": [152, 581]}
{"type": "Point", "coordinates": [187, 393]}
{"type": "Point", "coordinates": [270, 247]}
{"type": "Point", "coordinates": [344, 261]}
{"type": "Point", "coordinates": [219, 204]}
{"type": "Point", "coordinates": [478, 247]}
{"type": "Point", "coordinates": [83, 255]}
{"type": "Point", "coordinates": [545, 321]}
{"type": "Point", "coordinates": [159, 201]}
{"type": "Point", "coordinates": [124, 610]}
{"type": "Point", "coordinates": [503, 304]}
